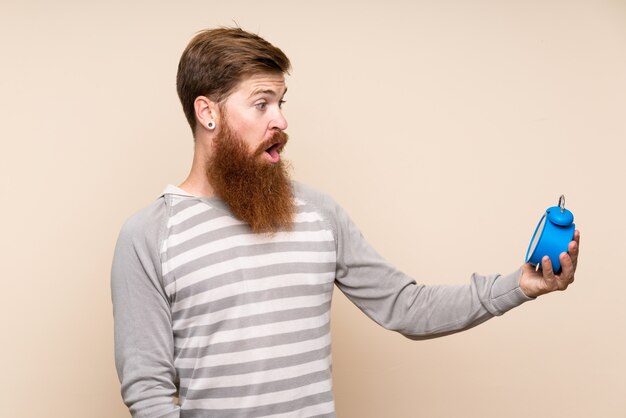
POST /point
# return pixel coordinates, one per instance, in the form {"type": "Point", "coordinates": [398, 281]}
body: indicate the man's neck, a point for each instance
{"type": "Point", "coordinates": [197, 182]}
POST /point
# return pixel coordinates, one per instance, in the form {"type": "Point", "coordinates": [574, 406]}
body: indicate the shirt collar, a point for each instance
{"type": "Point", "coordinates": [171, 189]}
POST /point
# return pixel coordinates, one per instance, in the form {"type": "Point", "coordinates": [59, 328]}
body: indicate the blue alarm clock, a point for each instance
{"type": "Point", "coordinates": [552, 236]}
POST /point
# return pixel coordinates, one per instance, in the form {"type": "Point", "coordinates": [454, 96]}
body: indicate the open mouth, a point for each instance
{"type": "Point", "coordinates": [274, 152]}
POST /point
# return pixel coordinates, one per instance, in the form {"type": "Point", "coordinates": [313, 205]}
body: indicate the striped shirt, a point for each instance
{"type": "Point", "coordinates": [212, 320]}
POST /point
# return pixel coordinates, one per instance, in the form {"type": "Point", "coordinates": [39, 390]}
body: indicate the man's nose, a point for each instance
{"type": "Point", "coordinates": [279, 122]}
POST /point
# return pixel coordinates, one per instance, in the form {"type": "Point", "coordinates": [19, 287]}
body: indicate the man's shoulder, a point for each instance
{"type": "Point", "coordinates": [320, 201]}
{"type": "Point", "coordinates": [146, 222]}
{"type": "Point", "coordinates": [313, 196]}
{"type": "Point", "coordinates": [138, 244]}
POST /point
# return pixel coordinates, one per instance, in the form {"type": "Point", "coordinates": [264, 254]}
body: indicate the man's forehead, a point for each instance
{"type": "Point", "coordinates": [273, 84]}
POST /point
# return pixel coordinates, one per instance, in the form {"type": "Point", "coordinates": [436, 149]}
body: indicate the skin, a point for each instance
{"type": "Point", "coordinates": [254, 112]}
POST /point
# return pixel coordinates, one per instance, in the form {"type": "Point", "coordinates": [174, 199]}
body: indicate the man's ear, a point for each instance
{"type": "Point", "coordinates": [206, 111]}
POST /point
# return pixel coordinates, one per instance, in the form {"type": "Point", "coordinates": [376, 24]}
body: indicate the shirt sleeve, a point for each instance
{"type": "Point", "coordinates": [395, 301]}
{"type": "Point", "coordinates": [144, 344]}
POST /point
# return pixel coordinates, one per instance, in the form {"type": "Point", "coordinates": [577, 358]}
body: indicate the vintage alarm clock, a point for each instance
{"type": "Point", "coordinates": [552, 235]}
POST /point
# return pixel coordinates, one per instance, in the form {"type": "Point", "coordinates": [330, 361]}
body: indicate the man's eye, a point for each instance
{"type": "Point", "coordinates": [261, 105]}
{"type": "Point", "coordinates": [281, 103]}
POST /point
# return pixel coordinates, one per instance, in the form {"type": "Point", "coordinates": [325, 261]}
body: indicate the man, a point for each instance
{"type": "Point", "coordinates": [222, 286]}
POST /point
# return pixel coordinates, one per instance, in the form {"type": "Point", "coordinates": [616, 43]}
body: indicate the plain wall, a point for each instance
{"type": "Point", "coordinates": [445, 128]}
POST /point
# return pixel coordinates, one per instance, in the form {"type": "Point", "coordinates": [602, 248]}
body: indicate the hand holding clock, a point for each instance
{"type": "Point", "coordinates": [536, 283]}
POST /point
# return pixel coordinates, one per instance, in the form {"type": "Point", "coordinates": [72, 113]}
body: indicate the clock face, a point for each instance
{"type": "Point", "coordinates": [536, 236]}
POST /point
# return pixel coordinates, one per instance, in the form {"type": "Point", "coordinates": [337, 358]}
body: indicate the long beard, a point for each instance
{"type": "Point", "coordinates": [257, 192]}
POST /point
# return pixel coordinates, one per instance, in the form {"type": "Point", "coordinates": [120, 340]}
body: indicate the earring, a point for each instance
{"type": "Point", "coordinates": [211, 125]}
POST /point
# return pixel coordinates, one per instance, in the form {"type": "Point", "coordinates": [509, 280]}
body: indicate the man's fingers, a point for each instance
{"type": "Point", "coordinates": [548, 272]}
{"type": "Point", "coordinates": [573, 248]}
{"type": "Point", "coordinates": [567, 271]}
{"type": "Point", "coordinates": [568, 262]}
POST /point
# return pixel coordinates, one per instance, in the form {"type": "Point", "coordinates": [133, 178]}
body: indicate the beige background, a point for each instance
{"type": "Point", "coordinates": [445, 128]}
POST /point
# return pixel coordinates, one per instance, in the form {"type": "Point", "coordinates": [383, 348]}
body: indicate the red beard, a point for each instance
{"type": "Point", "coordinates": [257, 192]}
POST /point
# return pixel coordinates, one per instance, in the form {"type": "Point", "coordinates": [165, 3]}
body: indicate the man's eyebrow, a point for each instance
{"type": "Point", "coordinates": [271, 92]}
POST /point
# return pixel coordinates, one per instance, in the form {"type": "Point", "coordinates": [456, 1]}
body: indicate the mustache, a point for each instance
{"type": "Point", "coordinates": [278, 138]}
